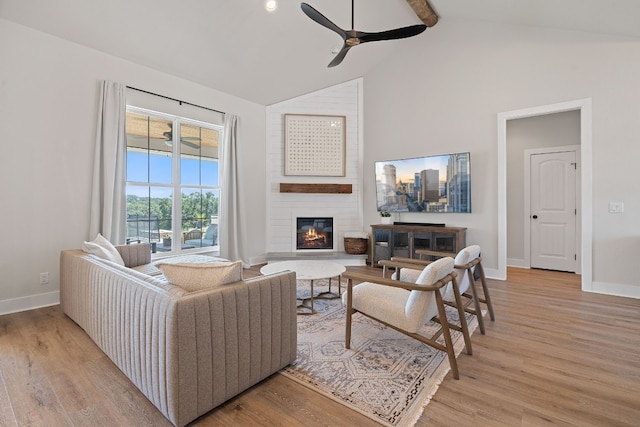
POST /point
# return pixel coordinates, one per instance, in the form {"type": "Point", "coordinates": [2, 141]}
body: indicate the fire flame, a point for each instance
{"type": "Point", "coordinates": [311, 238]}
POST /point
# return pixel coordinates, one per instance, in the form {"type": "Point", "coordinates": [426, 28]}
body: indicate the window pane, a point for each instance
{"type": "Point", "coordinates": [160, 167]}
{"type": "Point", "coordinates": [210, 142]}
{"type": "Point", "coordinates": [137, 166]}
{"type": "Point", "coordinates": [190, 141]}
{"type": "Point", "coordinates": [151, 142]}
{"type": "Point", "coordinates": [189, 170]}
{"type": "Point", "coordinates": [199, 155]}
{"type": "Point", "coordinates": [209, 156]}
{"type": "Point", "coordinates": [209, 172]}
{"type": "Point", "coordinates": [160, 204]}
{"type": "Point", "coordinates": [137, 147]}
{"type": "Point", "coordinates": [200, 217]}
{"type": "Point", "coordinates": [140, 225]}
{"type": "Point", "coordinates": [149, 148]}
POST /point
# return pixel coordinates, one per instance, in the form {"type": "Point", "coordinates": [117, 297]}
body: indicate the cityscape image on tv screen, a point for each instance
{"type": "Point", "coordinates": [424, 184]}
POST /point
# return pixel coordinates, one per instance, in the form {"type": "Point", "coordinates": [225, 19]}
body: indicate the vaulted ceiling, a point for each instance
{"type": "Point", "coordinates": [265, 57]}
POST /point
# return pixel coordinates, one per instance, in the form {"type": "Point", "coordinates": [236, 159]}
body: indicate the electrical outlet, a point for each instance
{"type": "Point", "coordinates": [44, 278]}
{"type": "Point", "coordinates": [616, 207]}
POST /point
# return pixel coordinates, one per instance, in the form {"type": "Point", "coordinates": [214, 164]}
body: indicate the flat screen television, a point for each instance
{"type": "Point", "coordinates": [424, 184]}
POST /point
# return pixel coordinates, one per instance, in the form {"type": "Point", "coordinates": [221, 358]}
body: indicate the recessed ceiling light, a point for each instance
{"type": "Point", "coordinates": [270, 5]}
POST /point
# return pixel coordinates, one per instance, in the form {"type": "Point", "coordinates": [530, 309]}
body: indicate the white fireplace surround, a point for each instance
{"type": "Point", "coordinates": [282, 209]}
{"type": "Point", "coordinates": [294, 231]}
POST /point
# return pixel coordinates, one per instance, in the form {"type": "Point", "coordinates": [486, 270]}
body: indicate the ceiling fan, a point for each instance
{"type": "Point", "coordinates": [354, 37]}
{"type": "Point", "coordinates": [186, 140]}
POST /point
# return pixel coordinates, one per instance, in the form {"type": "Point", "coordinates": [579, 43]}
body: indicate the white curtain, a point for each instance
{"type": "Point", "coordinates": [108, 195]}
{"type": "Point", "coordinates": [232, 217]}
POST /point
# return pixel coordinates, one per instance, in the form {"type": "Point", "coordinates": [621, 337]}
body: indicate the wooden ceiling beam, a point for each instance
{"type": "Point", "coordinates": [423, 9]}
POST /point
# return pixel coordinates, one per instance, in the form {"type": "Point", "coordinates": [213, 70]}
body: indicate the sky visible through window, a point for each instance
{"type": "Point", "coordinates": [138, 171]}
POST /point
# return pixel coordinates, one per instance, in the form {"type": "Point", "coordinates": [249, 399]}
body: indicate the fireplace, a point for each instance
{"type": "Point", "coordinates": [314, 233]}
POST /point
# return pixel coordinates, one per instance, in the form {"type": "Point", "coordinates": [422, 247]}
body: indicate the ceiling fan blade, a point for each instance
{"type": "Point", "coordinates": [353, 37]}
{"type": "Point", "coordinates": [190, 144]}
{"type": "Point", "coordinates": [398, 33]}
{"type": "Point", "coordinates": [321, 19]}
{"type": "Point", "coordinates": [340, 56]}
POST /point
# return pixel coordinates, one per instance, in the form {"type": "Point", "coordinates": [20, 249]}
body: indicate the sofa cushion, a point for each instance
{"type": "Point", "coordinates": [158, 281]}
{"type": "Point", "coordinates": [197, 276]}
{"type": "Point", "coordinates": [148, 269]}
{"type": "Point", "coordinates": [103, 248]}
{"type": "Point", "coordinates": [152, 270]}
{"type": "Point", "coordinates": [135, 254]}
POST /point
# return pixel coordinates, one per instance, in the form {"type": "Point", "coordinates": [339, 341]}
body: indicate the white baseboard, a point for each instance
{"type": "Point", "coordinates": [31, 302]}
{"type": "Point", "coordinates": [493, 273]}
{"type": "Point", "coordinates": [516, 262]}
{"type": "Point", "coordinates": [617, 289]}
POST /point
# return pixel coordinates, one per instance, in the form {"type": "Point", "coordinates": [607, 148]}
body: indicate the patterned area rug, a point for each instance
{"type": "Point", "coordinates": [386, 375]}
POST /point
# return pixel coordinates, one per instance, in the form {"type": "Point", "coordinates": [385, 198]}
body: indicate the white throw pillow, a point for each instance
{"type": "Point", "coordinates": [103, 248]}
{"type": "Point", "coordinates": [193, 276]}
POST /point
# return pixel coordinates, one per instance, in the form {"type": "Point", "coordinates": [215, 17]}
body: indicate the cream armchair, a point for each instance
{"type": "Point", "coordinates": [406, 307]}
{"type": "Point", "coordinates": [467, 263]}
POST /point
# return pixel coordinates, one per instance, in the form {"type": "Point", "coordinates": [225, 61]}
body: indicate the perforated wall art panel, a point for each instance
{"type": "Point", "coordinates": [314, 145]}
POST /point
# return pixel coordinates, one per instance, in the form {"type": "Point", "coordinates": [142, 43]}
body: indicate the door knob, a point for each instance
{"type": "Point", "coordinates": [535, 217]}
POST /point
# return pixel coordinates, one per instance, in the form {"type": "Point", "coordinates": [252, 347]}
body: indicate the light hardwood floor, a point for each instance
{"type": "Point", "coordinates": [554, 356]}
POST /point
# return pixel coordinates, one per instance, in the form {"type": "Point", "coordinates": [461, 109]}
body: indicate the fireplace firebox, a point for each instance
{"type": "Point", "coordinates": [314, 233]}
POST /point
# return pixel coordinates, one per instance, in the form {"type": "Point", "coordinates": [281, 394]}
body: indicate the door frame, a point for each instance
{"type": "Point", "coordinates": [527, 199]}
{"type": "Point", "coordinates": [586, 183]}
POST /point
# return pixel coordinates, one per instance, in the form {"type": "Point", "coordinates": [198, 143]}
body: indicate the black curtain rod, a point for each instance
{"type": "Point", "coordinates": [176, 100]}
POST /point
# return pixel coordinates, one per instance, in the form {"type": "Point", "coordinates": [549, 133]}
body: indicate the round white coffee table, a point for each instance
{"type": "Point", "coordinates": [309, 270]}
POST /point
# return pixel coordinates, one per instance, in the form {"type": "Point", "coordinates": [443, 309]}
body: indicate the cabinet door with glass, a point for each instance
{"type": "Point", "coordinates": [421, 241]}
{"type": "Point", "coordinates": [401, 242]}
{"type": "Point", "coordinates": [380, 248]}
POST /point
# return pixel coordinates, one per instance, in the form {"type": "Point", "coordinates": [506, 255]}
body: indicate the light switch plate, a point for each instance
{"type": "Point", "coordinates": [616, 207]}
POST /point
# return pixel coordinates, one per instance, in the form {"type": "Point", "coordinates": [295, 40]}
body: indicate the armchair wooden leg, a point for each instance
{"type": "Point", "coordinates": [347, 335]}
{"type": "Point", "coordinates": [485, 290]}
{"type": "Point", "coordinates": [476, 302]}
{"type": "Point", "coordinates": [463, 319]}
{"type": "Point", "coordinates": [447, 336]}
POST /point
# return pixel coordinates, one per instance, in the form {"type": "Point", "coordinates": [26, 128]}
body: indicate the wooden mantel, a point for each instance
{"type": "Point", "coordinates": [316, 188]}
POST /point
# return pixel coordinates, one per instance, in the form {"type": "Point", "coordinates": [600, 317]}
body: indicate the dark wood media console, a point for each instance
{"type": "Point", "coordinates": [389, 240]}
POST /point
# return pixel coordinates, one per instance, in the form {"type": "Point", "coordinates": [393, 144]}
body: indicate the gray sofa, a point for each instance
{"type": "Point", "coordinates": [186, 352]}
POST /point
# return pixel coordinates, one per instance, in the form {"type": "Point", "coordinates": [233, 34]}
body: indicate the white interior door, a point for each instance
{"type": "Point", "coordinates": [553, 211]}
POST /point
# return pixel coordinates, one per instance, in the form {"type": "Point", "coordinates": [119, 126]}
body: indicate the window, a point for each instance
{"type": "Point", "coordinates": [167, 156]}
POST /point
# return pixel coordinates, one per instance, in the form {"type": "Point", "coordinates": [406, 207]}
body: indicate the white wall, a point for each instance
{"type": "Point", "coordinates": [442, 93]}
{"type": "Point", "coordinates": [282, 208]}
{"type": "Point", "coordinates": [48, 100]}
